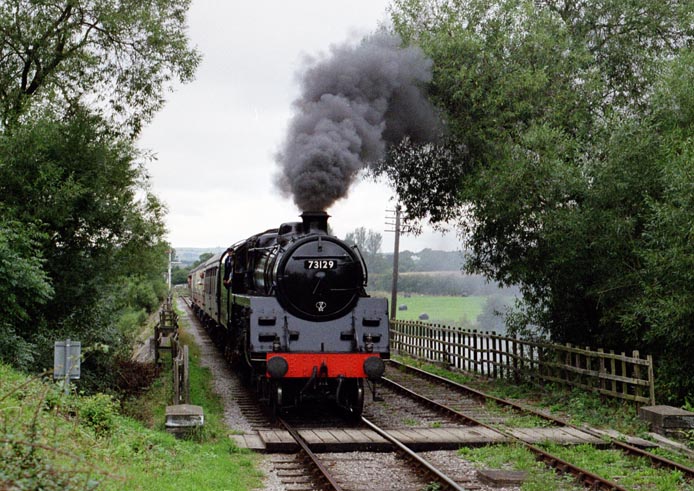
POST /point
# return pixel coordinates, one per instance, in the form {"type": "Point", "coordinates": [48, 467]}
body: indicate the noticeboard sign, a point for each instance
{"type": "Point", "coordinates": [66, 359]}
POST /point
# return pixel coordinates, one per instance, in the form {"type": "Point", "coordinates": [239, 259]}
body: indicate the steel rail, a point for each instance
{"type": "Point", "coordinates": [582, 475]}
{"type": "Point", "coordinates": [323, 473]}
{"type": "Point", "coordinates": [656, 460]}
{"type": "Point", "coordinates": [435, 473]}
{"type": "Point", "coordinates": [326, 477]}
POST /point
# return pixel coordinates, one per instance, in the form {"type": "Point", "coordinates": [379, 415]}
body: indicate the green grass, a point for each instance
{"type": "Point", "coordinates": [515, 457]}
{"type": "Point", "coordinates": [215, 463]}
{"type": "Point", "coordinates": [443, 309]}
{"type": "Point", "coordinates": [614, 465]}
{"type": "Point", "coordinates": [53, 441]}
{"type": "Point", "coordinates": [579, 407]}
{"type": "Point", "coordinates": [610, 464]}
{"type": "Point", "coordinates": [576, 406]}
{"type": "Point", "coordinates": [459, 377]}
{"type": "Point", "coordinates": [515, 420]}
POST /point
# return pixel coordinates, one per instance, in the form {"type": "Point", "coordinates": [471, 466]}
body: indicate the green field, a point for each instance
{"type": "Point", "coordinates": [443, 309]}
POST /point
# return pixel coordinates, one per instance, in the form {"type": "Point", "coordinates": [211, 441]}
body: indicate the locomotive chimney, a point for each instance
{"type": "Point", "coordinates": [315, 221]}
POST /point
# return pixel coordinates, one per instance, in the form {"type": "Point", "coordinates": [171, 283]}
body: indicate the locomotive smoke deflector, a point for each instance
{"type": "Point", "coordinates": [315, 221]}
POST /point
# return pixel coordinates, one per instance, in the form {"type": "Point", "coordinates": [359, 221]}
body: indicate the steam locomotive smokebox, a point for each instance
{"type": "Point", "coordinates": [315, 221]}
{"type": "Point", "coordinates": [667, 419]}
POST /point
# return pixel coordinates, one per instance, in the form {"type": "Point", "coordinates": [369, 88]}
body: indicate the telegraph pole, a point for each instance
{"type": "Point", "coordinates": [396, 258]}
{"type": "Point", "coordinates": [168, 276]}
{"type": "Point", "coordinates": [171, 253]}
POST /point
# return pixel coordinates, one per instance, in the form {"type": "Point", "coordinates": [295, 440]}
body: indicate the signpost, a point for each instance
{"type": "Point", "coordinates": [66, 361]}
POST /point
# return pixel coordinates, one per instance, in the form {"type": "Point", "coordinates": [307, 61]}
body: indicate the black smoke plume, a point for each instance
{"type": "Point", "coordinates": [353, 104]}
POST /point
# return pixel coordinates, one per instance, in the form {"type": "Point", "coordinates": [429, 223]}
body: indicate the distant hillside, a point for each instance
{"type": "Point", "coordinates": [428, 260]}
{"type": "Point", "coordinates": [188, 255]}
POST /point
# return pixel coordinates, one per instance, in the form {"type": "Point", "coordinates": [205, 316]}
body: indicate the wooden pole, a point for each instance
{"type": "Point", "coordinates": [651, 380]}
{"type": "Point", "coordinates": [396, 260]}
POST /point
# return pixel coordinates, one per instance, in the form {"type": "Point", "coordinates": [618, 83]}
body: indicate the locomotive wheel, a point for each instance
{"type": "Point", "coordinates": [276, 397]}
{"type": "Point", "coordinates": [353, 400]}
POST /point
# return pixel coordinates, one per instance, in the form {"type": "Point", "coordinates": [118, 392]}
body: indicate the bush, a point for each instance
{"type": "Point", "coordinates": [98, 412]}
{"type": "Point", "coordinates": [35, 453]}
{"type": "Point", "coordinates": [130, 321]}
{"type": "Point", "coordinates": [132, 377]}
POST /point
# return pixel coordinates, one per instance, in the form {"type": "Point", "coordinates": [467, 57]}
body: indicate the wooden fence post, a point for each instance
{"type": "Point", "coordinates": [427, 342]}
{"type": "Point", "coordinates": [470, 350]}
{"type": "Point", "coordinates": [423, 342]}
{"type": "Point", "coordinates": [459, 348]}
{"type": "Point", "coordinates": [625, 389]}
{"type": "Point", "coordinates": [516, 375]}
{"type": "Point", "coordinates": [176, 382]}
{"type": "Point", "coordinates": [651, 379]}
{"type": "Point", "coordinates": [186, 376]}
{"type": "Point", "coordinates": [638, 390]}
{"type": "Point", "coordinates": [601, 369]}
{"type": "Point", "coordinates": [495, 362]}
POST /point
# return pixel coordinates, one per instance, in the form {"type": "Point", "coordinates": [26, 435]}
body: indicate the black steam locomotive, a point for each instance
{"type": "Point", "coordinates": [290, 310]}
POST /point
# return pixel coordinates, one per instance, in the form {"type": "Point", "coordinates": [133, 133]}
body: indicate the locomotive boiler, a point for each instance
{"type": "Point", "coordinates": [290, 309]}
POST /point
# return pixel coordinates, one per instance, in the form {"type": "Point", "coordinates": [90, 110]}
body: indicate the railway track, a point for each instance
{"type": "Point", "coordinates": [468, 404]}
{"type": "Point", "coordinates": [437, 402]}
{"type": "Point", "coordinates": [401, 469]}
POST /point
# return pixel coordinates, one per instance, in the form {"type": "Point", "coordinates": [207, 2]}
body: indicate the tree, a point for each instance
{"type": "Point", "coordinates": [357, 238]}
{"type": "Point", "coordinates": [202, 258]}
{"type": "Point", "coordinates": [662, 315]}
{"type": "Point", "coordinates": [624, 42]}
{"type": "Point", "coordinates": [369, 243]}
{"type": "Point", "coordinates": [565, 182]}
{"type": "Point", "coordinates": [82, 188]}
{"type": "Point", "coordinates": [494, 313]}
{"type": "Point", "coordinates": [81, 238]}
{"type": "Point", "coordinates": [179, 276]}
{"type": "Point", "coordinates": [119, 55]}
{"type": "Point", "coordinates": [508, 72]}
{"type": "Point", "coordinates": [372, 246]}
{"type": "Point", "coordinates": [23, 284]}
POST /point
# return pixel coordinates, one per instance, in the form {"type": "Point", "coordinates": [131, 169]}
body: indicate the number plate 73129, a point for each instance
{"type": "Point", "coordinates": [320, 264]}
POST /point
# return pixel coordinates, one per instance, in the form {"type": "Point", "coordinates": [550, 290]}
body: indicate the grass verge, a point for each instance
{"type": "Point", "coordinates": [515, 457]}
{"type": "Point", "coordinates": [580, 408]}
{"type": "Point", "coordinates": [576, 406]}
{"type": "Point", "coordinates": [55, 441]}
{"type": "Point", "coordinates": [631, 473]}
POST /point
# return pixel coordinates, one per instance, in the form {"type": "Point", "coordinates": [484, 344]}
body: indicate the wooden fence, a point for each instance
{"type": "Point", "coordinates": [608, 373]}
{"type": "Point", "coordinates": [181, 377]}
{"type": "Point", "coordinates": [166, 339]}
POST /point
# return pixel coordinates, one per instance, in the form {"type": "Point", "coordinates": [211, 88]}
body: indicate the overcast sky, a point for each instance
{"type": "Point", "coordinates": [216, 137]}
